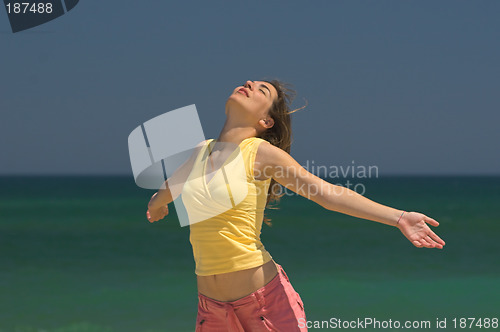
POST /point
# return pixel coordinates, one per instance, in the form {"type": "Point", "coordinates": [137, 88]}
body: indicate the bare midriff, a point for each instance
{"type": "Point", "coordinates": [232, 286]}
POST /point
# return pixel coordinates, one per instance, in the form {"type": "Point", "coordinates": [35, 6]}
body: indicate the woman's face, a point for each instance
{"type": "Point", "coordinates": [254, 98]}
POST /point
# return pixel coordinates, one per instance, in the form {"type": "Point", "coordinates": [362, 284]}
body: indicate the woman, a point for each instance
{"type": "Point", "coordinates": [240, 286]}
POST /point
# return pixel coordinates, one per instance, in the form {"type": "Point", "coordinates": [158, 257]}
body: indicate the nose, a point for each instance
{"type": "Point", "coordinates": [249, 84]}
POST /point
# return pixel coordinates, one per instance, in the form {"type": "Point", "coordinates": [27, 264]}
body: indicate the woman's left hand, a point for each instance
{"type": "Point", "coordinates": [414, 226]}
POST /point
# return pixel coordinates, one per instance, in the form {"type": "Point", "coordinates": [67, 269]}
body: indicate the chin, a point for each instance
{"type": "Point", "coordinates": [235, 101]}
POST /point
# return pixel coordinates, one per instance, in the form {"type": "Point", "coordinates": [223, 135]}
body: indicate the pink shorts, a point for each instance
{"type": "Point", "coordinates": [274, 307]}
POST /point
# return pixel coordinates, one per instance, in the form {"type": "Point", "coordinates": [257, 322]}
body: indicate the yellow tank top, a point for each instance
{"type": "Point", "coordinates": [226, 212]}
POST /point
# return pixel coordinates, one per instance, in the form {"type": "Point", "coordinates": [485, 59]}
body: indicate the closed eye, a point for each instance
{"type": "Point", "coordinates": [244, 85]}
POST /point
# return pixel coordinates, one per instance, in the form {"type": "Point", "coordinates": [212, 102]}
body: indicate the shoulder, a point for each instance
{"type": "Point", "coordinates": [196, 150]}
{"type": "Point", "coordinates": [202, 143]}
{"type": "Point", "coordinates": [265, 149]}
{"type": "Point", "coordinates": [270, 155]}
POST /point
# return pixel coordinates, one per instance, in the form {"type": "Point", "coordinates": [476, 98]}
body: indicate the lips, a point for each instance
{"type": "Point", "coordinates": [243, 90]}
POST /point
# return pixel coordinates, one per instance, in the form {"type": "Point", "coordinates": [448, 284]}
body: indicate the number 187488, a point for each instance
{"type": "Point", "coordinates": [29, 7]}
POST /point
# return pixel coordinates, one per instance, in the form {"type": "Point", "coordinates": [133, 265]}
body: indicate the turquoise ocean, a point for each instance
{"type": "Point", "coordinates": [78, 254]}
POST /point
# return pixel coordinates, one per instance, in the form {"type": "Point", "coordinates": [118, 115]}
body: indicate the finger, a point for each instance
{"type": "Point", "coordinates": [150, 219]}
{"type": "Point", "coordinates": [424, 242]}
{"type": "Point", "coordinates": [431, 221]}
{"type": "Point", "coordinates": [431, 242]}
{"type": "Point", "coordinates": [438, 246]}
{"type": "Point", "coordinates": [436, 238]}
{"type": "Point", "coordinates": [417, 244]}
{"type": "Point", "coordinates": [434, 243]}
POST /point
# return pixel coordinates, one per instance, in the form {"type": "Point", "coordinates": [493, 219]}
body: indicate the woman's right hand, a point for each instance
{"type": "Point", "coordinates": [156, 213]}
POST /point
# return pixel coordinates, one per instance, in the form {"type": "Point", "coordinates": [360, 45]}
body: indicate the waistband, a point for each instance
{"type": "Point", "coordinates": [255, 297]}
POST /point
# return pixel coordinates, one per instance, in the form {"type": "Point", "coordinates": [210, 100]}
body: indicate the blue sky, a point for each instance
{"type": "Point", "coordinates": [408, 86]}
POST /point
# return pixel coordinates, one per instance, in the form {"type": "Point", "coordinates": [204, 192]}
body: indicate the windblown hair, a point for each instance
{"type": "Point", "coordinates": [280, 134]}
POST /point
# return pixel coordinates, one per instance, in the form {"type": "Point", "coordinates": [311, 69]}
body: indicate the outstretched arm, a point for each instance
{"type": "Point", "coordinates": [276, 163]}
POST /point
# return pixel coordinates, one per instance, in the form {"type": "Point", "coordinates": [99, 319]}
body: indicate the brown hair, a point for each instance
{"type": "Point", "coordinates": [280, 134]}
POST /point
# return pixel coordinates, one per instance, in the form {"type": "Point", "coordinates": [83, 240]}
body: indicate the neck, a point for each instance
{"type": "Point", "coordinates": [231, 133]}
